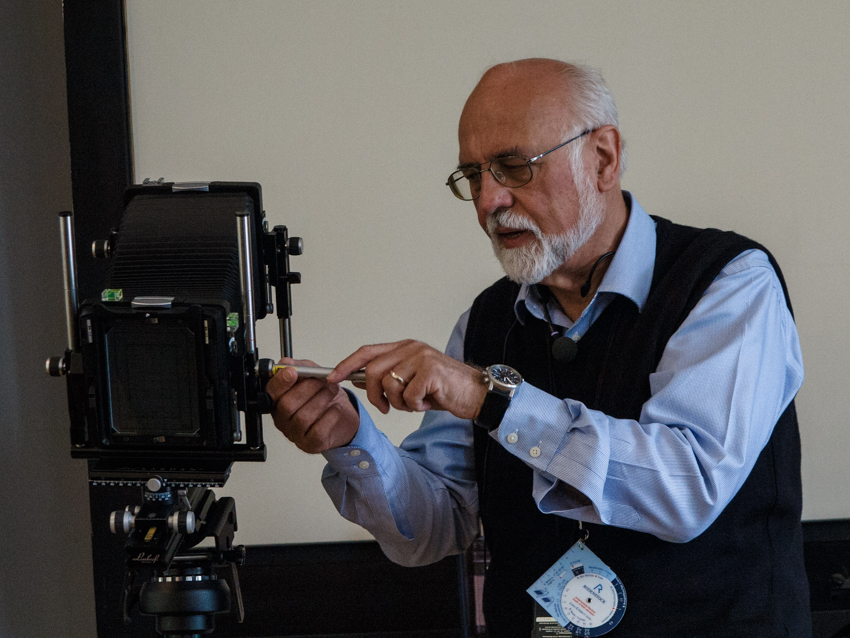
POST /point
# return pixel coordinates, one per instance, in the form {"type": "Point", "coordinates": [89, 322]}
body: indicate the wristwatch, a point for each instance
{"type": "Point", "coordinates": [502, 381]}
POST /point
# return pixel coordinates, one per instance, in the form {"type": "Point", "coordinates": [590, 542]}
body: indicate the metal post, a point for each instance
{"type": "Point", "coordinates": [285, 337]}
{"type": "Point", "coordinates": [243, 236]}
{"type": "Point", "coordinates": [69, 274]}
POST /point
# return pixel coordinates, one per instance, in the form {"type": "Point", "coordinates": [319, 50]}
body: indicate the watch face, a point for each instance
{"type": "Point", "coordinates": [504, 374]}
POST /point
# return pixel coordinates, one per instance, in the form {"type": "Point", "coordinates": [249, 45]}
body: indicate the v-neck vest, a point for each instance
{"type": "Point", "coordinates": [743, 576]}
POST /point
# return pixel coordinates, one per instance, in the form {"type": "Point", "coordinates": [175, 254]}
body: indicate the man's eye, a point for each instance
{"type": "Point", "coordinates": [512, 162]}
{"type": "Point", "coordinates": [513, 169]}
{"type": "Point", "coordinates": [472, 174]}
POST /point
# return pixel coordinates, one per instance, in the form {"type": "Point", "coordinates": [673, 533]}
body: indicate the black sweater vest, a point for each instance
{"type": "Point", "coordinates": [744, 575]}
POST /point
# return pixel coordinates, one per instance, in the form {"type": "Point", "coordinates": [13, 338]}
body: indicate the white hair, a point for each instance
{"type": "Point", "coordinates": [592, 106]}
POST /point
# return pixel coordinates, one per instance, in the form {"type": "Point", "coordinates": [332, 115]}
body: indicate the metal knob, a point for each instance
{"type": "Point", "coordinates": [121, 521]}
{"type": "Point", "coordinates": [101, 248]}
{"type": "Point", "coordinates": [56, 366]}
{"type": "Point", "coordinates": [182, 522]}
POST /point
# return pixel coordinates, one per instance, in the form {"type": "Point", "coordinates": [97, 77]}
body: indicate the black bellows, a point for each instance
{"type": "Point", "coordinates": [181, 246]}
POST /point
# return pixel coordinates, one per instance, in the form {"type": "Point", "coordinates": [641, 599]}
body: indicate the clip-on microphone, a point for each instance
{"type": "Point", "coordinates": [564, 349]}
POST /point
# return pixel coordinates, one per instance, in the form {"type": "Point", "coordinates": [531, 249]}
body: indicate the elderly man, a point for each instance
{"type": "Point", "coordinates": [631, 381]}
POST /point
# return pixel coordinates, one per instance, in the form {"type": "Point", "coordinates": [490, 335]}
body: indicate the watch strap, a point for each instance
{"type": "Point", "coordinates": [493, 410]}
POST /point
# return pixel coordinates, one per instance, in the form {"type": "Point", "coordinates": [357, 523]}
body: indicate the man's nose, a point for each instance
{"type": "Point", "coordinates": [493, 194]}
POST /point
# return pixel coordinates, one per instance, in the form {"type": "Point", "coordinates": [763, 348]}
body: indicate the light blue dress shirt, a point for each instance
{"type": "Point", "coordinates": [724, 379]}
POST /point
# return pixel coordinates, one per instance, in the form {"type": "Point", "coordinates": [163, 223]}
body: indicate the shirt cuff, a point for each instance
{"type": "Point", "coordinates": [555, 437]}
{"type": "Point", "coordinates": [364, 454]}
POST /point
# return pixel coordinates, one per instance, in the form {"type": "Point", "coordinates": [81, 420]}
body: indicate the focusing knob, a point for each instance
{"type": "Point", "coordinates": [296, 246]}
{"type": "Point", "coordinates": [56, 366]}
{"type": "Point", "coordinates": [265, 368]}
{"type": "Point", "coordinates": [154, 484]}
{"type": "Point", "coordinates": [121, 521]}
{"type": "Point", "coordinates": [182, 522]}
{"type": "Point", "coordinates": [104, 248]}
{"type": "Point", "coordinates": [100, 248]}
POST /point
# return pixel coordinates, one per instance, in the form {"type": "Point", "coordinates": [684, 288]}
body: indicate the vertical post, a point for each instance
{"type": "Point", "coordinates": [285, 337]}
{"type": "Point", "coordinates": [283, 279]}
{"type": "Point", "coordinates": [243, 236]}
{"type": "Point", "coordinates": [69, 275]}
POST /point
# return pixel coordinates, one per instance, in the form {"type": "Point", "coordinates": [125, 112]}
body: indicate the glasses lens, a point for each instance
{"type": "Point", "coordinates": [511, 171]}
{"type": "Point", "coordinates": [461, 185]}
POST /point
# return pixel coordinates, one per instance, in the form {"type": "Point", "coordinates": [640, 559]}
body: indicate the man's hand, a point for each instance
{"type": "Point", "coordinates": [412, 376]}
{"type": "Point", "coordinates": [315, 415]}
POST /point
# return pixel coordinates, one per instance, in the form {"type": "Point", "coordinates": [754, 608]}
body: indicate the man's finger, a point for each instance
{"type": "Point", "coordinates": [304, 411]}
{"type": "Point", "coordinates": [284, 379]}
{"type": "Point", "coordinates": [393, 387]}
{"type": "Point", "coordinates": [281, 383]}
{"type": "Point", "coordinates": [336, 427]}
{"type": "Point", "coordinates": [359, 359]}
{"type": "Point", "coordinates": [289, 402]}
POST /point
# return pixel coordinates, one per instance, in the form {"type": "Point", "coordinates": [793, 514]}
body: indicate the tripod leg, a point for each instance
{"type": "Point", "coordinates": [129, 595]}
{"type": "Point", "coordinates": [237, 590]}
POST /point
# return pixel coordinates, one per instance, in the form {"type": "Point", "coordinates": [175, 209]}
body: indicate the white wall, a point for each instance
{"type": "Point", "coordinates": [346, 113]}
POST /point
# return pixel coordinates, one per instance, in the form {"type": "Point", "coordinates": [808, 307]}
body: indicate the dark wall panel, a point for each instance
{"type": "Point", "coordinates": [99, 125]}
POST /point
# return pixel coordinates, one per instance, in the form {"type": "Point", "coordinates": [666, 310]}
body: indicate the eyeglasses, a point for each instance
{"type": "Point", "coordinates": [511, 171]}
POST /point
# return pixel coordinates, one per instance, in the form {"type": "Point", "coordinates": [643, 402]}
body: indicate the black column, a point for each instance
{"type": "Point", "coordinates": [101, 168]}
{"type": "Point", "coordinates": [99, 125]}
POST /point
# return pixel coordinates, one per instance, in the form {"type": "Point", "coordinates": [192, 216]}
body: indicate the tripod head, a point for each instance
{"type": "Point", "coordinates": [183, 586]}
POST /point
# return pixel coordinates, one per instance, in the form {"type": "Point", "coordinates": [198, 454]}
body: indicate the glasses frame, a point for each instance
{"type": "Point", "coordinates": [452, 183]}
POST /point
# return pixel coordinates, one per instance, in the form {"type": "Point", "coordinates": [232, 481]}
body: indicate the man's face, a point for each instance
{"type": "Point", "coordinates": [535, 260]}
{"type": "Point", "coordinates": [537, 227]}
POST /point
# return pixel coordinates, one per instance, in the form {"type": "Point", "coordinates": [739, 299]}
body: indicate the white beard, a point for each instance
{"type": "Point", "coordinates": [539, 258]}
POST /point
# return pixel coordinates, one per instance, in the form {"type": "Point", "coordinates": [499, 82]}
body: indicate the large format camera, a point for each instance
{"type": "Point", "coordinates": [165, 388]}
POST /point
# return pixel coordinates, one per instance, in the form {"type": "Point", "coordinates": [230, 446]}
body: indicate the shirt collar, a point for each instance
{"type": "Point", "coordinates": [630, 272]}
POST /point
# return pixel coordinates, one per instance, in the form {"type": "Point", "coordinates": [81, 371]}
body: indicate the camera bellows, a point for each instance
{"type": "Point", "coordinates": [182, 246]}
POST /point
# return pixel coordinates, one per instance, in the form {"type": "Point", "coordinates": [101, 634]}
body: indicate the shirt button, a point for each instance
{"type": "Point", "coordinates": [512, 437]}
{"type": "Point", "coordinates": [363, 465]}
{"type": "Point", "coordinates": [535, 451]}
{"type": "Point", "coordinates": [354, 453]}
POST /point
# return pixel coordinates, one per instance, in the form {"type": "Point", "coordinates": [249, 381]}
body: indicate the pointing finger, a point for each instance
{"type": "Point", "coordinates": [359, 359]}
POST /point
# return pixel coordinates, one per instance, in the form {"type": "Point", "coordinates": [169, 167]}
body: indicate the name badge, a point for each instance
{"type": "Point", "coordinates": [582, 593]}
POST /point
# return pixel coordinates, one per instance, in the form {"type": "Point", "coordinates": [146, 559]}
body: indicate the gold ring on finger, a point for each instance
{"type": "Point", "coordinates": [397, 378]}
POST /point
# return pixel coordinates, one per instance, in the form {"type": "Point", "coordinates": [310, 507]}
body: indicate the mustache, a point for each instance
{"type": "Point", "coordinates": [506, 218]}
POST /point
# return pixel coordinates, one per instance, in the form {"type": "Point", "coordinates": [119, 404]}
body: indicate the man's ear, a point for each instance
{"type": "Point", "coordinates": [605, 144]}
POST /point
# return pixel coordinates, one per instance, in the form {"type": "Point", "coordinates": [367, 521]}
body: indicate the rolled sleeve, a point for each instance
{"type": "Point", "coordinates": [419, 500]}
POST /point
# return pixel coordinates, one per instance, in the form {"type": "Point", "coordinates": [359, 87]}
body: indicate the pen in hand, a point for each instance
{"type": "Point", "coordinates": [315, 372]}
